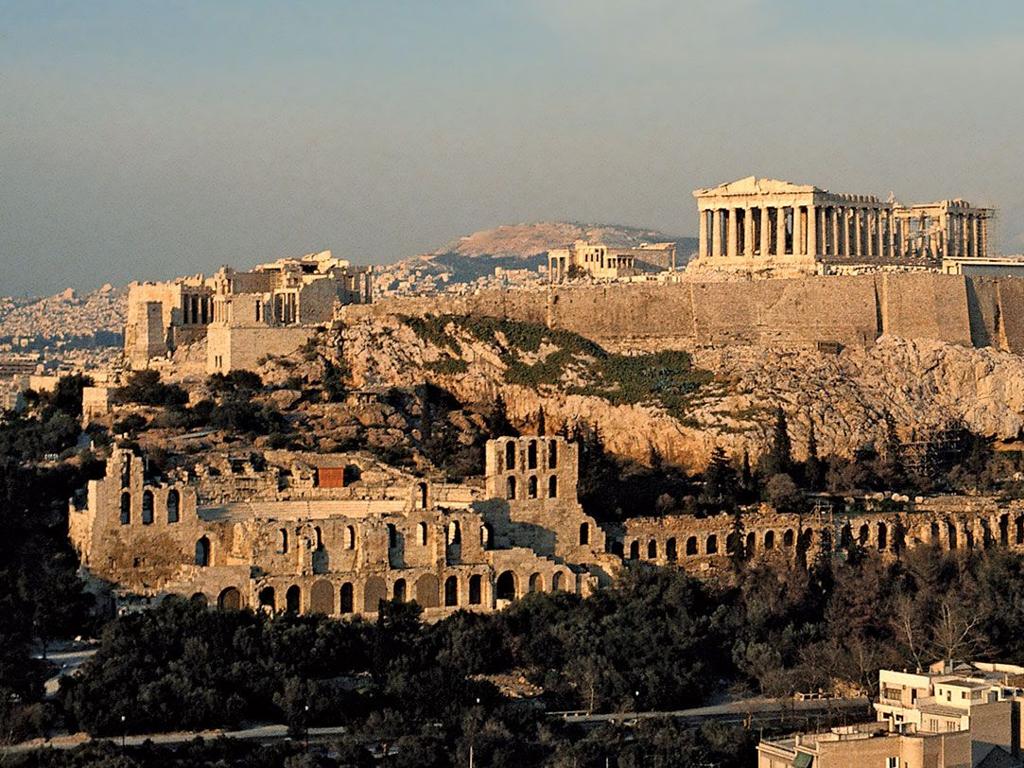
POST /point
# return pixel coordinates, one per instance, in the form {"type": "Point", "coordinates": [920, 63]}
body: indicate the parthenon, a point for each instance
{"type": "Point", "coordinates": [767, 227]}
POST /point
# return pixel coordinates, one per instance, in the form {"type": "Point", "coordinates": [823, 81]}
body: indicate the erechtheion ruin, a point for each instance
{"type": "Point", "coordinates": [766, 227]}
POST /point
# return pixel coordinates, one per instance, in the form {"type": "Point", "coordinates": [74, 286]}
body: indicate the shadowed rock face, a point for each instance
{"type": "Point", "coordinates": [847, 396]}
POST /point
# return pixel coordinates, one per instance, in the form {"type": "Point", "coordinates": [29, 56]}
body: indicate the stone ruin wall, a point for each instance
{"type": "Point", "coordinates": [849, 310]}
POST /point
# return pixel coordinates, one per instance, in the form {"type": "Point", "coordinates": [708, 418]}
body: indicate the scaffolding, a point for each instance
{"type": "Point", "coordinates": [932, 450]}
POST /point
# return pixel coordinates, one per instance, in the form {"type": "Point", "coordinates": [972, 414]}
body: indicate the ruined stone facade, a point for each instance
{"type": "Point", "coordinates": [311, 539]}
{"type": "Point", "coordinates": [271, 309]}
{"type": "Point", "coordinates": [770, 228]}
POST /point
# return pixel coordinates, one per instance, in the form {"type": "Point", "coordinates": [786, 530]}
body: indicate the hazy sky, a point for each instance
{"type": "Point", "coordinates": [150, 139]}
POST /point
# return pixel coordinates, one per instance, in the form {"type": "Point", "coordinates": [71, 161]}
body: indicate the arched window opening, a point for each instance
{"type": "Point", "coordinates": [173, 506]}
{"type": "Point", "coordinates": [147, 507]}
{"type": "Point", "coordinates": [787, 538]}
{"type": "Point", "coordinates": [423, 495]}
{"type": "Point", "coordinates": [454, 533]}
{"type": "Point", "coordinates": [485, 536]}
{"type": "Point", "coordinates": [769, 539]}
{"type": "Point", "coordinates": [282, 541]}
{"type": "Point", "coordinates": [670, 550]}
{"type": "Point", "coordinates": [1004, 530]}
{"type": "Point", "coordinates": [347, 599]}
{"type": "Point", "coordinates": [399, 591]}
{"type": "Point", "coordinates": [968, 538]}
{"type": "Point", "coordinates": [691, 545]}
{"type": "Point", "coordinates": [451, 592]}
{"type": "Point", "coordinates": [126, 508]}
{"type": "Point", "coordinates": [319, 538]}
{"type": "Point", "coordinates": [267, 599]}
{"type": "Point", "coordinates": [392, 536]}
{"type": "Point", "coordinates": [126, 472]}
{"type": "Point", "coordinates": [536, 582]}
{"type": "Point", "coordinates": [934, 533]}
{"type": "Point", "coordinates": [426, 589]}
{"type": "Point", "coordinates": [505, 586]}
{"type": "Point", "coordinates": [1019, 530]}
{"type": "Point", "coordinates": [557, 582]}
{"type": "Point", "coordinates": [230, 600]}
{"type": "Point", "coordinates": [584, 534]}
{"type": "Point", "coordinates": [531, 455]}
{"type": "Point", "coordinates": [951, 534]}
{"type": "Point", "coordinates": [199, 599]}
{"type": "Point", "coordinates": [293, 599]}
{"type": "Point", "coordinates": [510, 488]}
{"type": "Point", "coordinates": [421, 534]}
{"type": "Point", "coordinates": [203, 552]}
{"type": "Point", "coordinates": [711, 546]}
{"type": "Point", "coordinates": [616, 548]}
{"type": "Point", "coordinates": [531, 486]}
{"type": "Point", "coordinates": [634, 550]}
{"type": "Point", "coordinates": [350, 537]}
{"type": "Point", "coordinates": [510, 456]}
{"type": "Point", "coordinates": [652, 550]}
{"type": "Point", "coordinates": [883, 536]}
{"type": "Point", "coordinates": [553, 487]}
{"type": "Point", "coordinates": [751, 544]}
{"type": "Point", "coordinates": [863, 535]}
{"type": "Point", "coordinates": [552, 454]}
{"type": "Point", "coordinates": [475, 589]}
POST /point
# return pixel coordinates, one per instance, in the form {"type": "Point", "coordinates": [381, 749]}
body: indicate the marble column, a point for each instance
{"type": "Point", "coordinates": [702, 247]}
{"type": "Point", "coordinates": [858, 245]}
{"type": "Point", "coordinates": [780, 231]}
{"type": "Point", "coordinates": [984, 238]}
{"type": "Point", "coordinates": [748, 232]}
{"type": "Point", "coordinates": [812, 231]}
{"type": "Point", "coordinates": [834, 225]}
{"type": "Point", "coordinates": [766, 235]}
{"type": "Point", "coordinates": [730, 219]}
{"type": "Point", "coordinates": [969, 235]}
{"type": "Point", "coordinates": [879, 239]}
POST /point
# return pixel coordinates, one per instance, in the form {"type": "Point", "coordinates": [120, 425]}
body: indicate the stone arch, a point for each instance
{"type": "Point", "coordinates": [652, 549]}
{"type": "Point", "coordinates": [933, 532]}
{"type": "Point", "coordinates": [1004, 529]}
{"type": "Point", "coordinates": [616, 548]}
{"type": "Point", "coordinates": [421, 534]}
{"type": "Point", "coordinates": [321, 597]}
{"type": "Point", "coordinates": [426, 589]}
{"type": "Point", "coordinates": [691, 545]}
{"type": "Point", "coordinates": [505, 586]}
{"type": "Point", "coordinates": [422, 495]}
{"type": "Point", "coordinates": [347, 600]}
{"type": "Point", "coordinates": [536, 582]}
{"type": "Point", "coordinates": [399, 591]}
{"type": "Point", "coordinates": [293, 599]}
{"type": "Point", "coordinates": [531, 487]}
{"type": "Point", "coordinates": [769, 540]}
{"type": "Point", "coordinates": [350, 537]}
{"type": "Point", "coordinates": [374, 591]}
{"type": "Point", "coordinates": [671, 554]}
{"type": "Point", "coordinates": [751, 545]}
{"type": "Point", "coordinates": [199, 598]}
{"type": "Point", "coordinates": [531, 455]}
{"type": "Point", "coordinates": [173, 506]}
{"type": "Point", "coordinates": [203, 553]}
{"type": "Point", "coordinates": [392, 536]}
{"type": "Point", "coordinates": [634, 550]}
{"type": "Point", "coordinates": [787, 537]}
{"type": "Point", "coordinates": [454, 532]}
{"type": "Point", "coordinates": [711, 545]}
{"type": "Point", "coordinates": [147, 507]}
{"type": "Point", "coordinates": [552, 454]}
{"type": "Point", "coordinates": [267, 599]}
{"type": "Point", "coordinates": [558, 581]}
{"type": "Point", "coordinates": [126, 508]}
{"type": "Point", "coordinates": [229, 599]}
{"type": "Point", "coordinates": [864, 534]}
{"type": "Point", "coordinates": [475, 589]}
{"type": "Point", "coordinates": [510, 457]}
{"type": "Point", "coordinates": [510, 487]}
{"type": "Point", "coordinates": [451, 592]}
{"type": "Point", "coordinates": [282, 541]}
{"type": "Point", "coordinates": [584, 534]}
{"type": "Point", "coordinates": [951, 534]}
{"type": "Point", "coordinates": [553, 487]}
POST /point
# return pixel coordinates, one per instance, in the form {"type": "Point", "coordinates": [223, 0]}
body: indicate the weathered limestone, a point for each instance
{"type": "Point", "coordinates": [270, 310]}
{"type": "Point", "coordinates": [601, 261]}
{"type": "Point", "coordinates": [810, 229]}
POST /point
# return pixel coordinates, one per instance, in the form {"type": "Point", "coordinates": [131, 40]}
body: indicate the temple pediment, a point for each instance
{"type": "Point", "coordinates": [751, 185]}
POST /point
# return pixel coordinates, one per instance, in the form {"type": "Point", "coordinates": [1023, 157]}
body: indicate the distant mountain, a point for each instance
{"type": "Point", "coordinates": [524, 246]}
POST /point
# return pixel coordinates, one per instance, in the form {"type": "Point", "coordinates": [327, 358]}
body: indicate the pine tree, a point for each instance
{"type": "Point", "coordinates": [720, 482]}
{"type": "Point", "coordinates": [814, 469]}
{"type": "Point", "coordinates": [541, 426]}
{"type": "Point", "coordinates": [498, 424]}
{"type": "Point", "coordinates": [778, 458]}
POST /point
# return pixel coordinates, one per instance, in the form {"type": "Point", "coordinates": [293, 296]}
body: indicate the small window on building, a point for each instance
{"type": "Point", "coordinates": [421, 534]}
{"type": "Point", "coordinates": [147, 508]}
{"type": "Point", "coordinates": [282, 541]}
{"type": "Point", "coordinates": [173, 506]}
{"type": "Point", "coordinates": [552, 454]}
{"type": "Point", "coordinates": [532, 486]}
{"type": "Point", "coordinates": [126, 508]}
{"type": "Point", "coordinates": [584, 534]}
{"type": "Point", "coordinates": [531, 455]}
{"type": "Point", "coordinates": [350, 537]}
{"type": "Point", "coordinates": [553, 487]}
{"type": "Point", "coordinates": [510, 456]}
{"type": "Point", "coordinates": [510, 488]}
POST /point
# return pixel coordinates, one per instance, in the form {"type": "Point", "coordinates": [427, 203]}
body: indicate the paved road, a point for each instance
{"type": "Point", "coordinates": [261, 733]}
{"type": "Point", "coordinates": [69, 661]}
{"type": "Point", "coordinates": [752, 710]}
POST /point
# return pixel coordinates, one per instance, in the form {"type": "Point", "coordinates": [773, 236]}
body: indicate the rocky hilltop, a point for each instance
{"type": "Point", "coordinates": [680, 408]}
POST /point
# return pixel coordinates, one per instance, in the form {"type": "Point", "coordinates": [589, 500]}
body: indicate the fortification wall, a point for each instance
{"type": "Point", "coordinates": [852, 310]}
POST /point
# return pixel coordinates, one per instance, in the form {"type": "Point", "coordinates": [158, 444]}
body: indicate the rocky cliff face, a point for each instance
{"type": "Point", "coordinates": [847, 397]}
